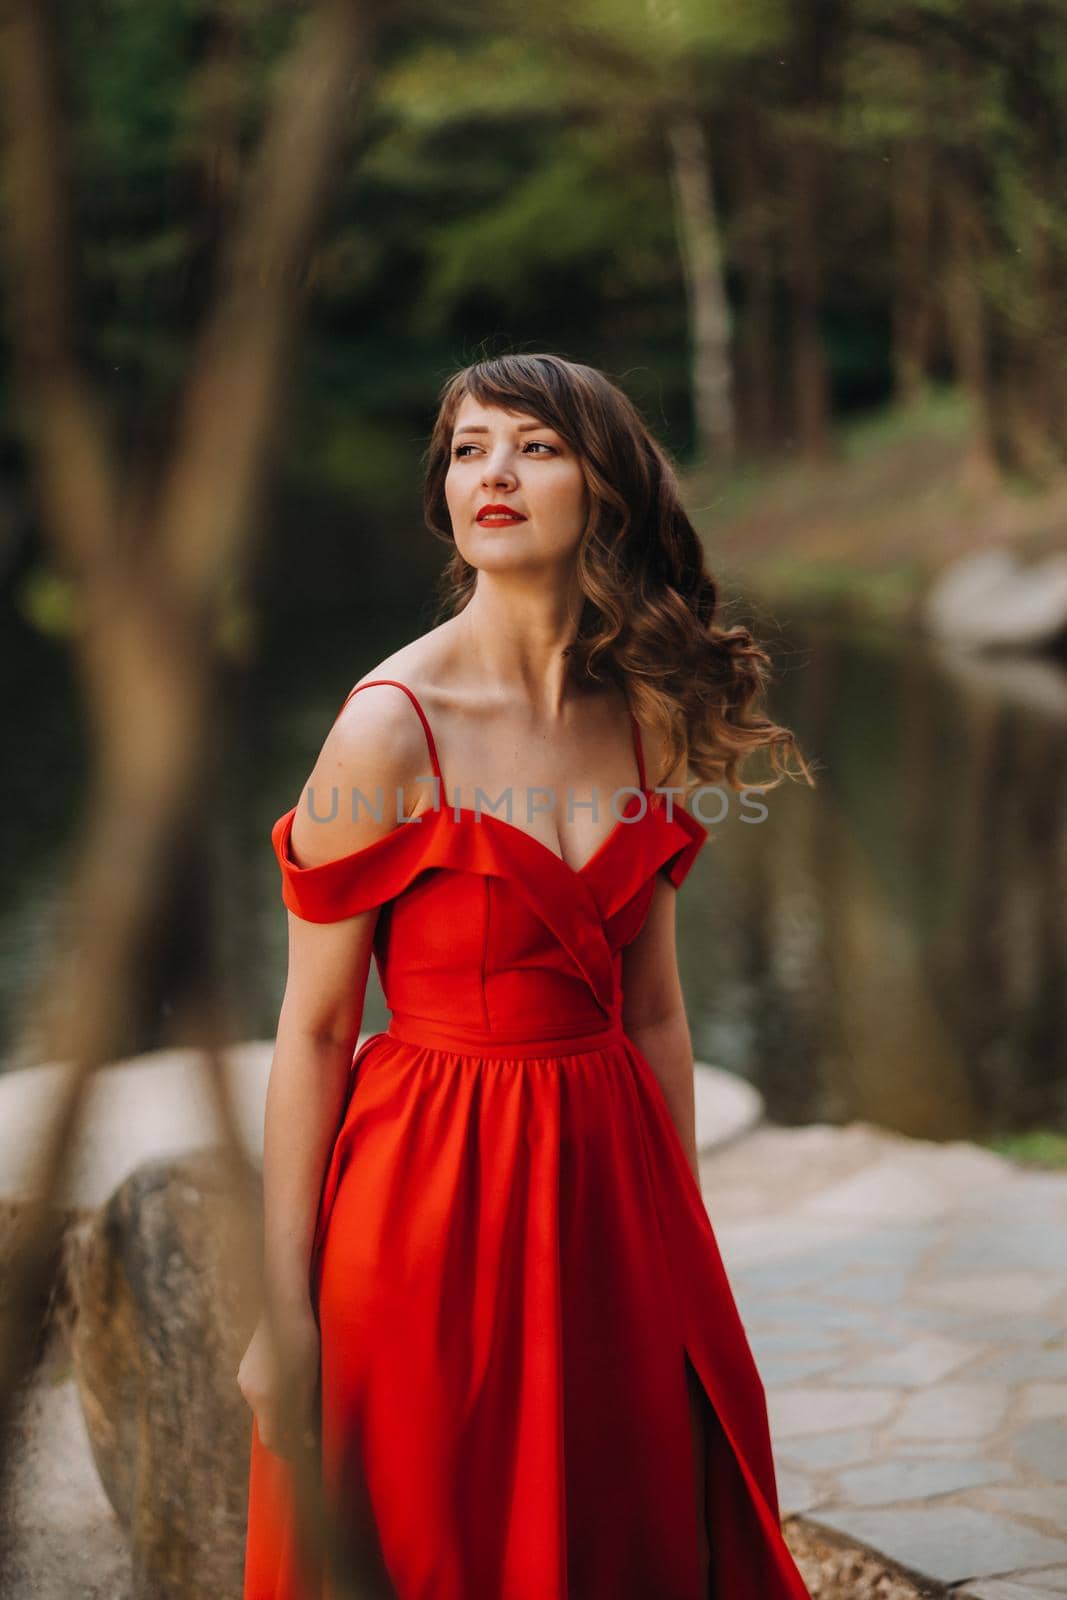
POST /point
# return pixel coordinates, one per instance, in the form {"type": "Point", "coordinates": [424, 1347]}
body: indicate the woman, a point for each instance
{"type": "Point", "coordinates": [486, 1250]}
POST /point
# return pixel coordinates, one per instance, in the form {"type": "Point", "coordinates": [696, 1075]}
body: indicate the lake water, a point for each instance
{"type": "Point", "coordinates": [890, 946]}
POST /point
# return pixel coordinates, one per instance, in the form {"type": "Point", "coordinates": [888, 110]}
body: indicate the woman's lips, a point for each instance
{"type": "Point", "coordinates": [500, 518]}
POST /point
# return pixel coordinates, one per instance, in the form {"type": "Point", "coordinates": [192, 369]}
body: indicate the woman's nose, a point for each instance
{"type": "Point", "coordinates": [498, 472]}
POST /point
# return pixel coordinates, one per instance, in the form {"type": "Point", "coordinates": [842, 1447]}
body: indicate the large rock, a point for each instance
{"type": "Point", "coordinates": [161, 1105]}
{"type": "Point", "coordinates": [989, 599]}
{"type": "Point", "coordinates": [145, 1108]}
{"type": "Point", "coordinates": [164, 1308]}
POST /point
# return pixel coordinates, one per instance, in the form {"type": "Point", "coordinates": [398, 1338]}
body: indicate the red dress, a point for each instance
{"type": "Point", "coordinates": [512, 1258]}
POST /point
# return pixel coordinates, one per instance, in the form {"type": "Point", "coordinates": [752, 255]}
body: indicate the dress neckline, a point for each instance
{"type": "Point", "coordinates": [459, 813]}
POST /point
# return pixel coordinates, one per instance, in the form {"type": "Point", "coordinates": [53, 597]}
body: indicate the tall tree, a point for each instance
{"type": "Point", "coordinates": [912, 197]}
{"type": "Point", "coordinates": [709, 312]}
{"type": "Point", "coordinates": [668, 62]}
{"type": "Point", "coordinates": [753, 245]}
{"type": "Point", "coordinates": [815, 39]}
{"type": "Point", "coordinates": [151, 556]}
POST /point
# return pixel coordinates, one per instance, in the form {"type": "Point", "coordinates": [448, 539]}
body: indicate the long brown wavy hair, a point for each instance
{"type": "Point", "coordinates": [648, 618]}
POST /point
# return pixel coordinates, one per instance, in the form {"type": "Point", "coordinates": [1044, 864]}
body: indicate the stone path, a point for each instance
{"type": "Point", "coordinates": [907, 1303]}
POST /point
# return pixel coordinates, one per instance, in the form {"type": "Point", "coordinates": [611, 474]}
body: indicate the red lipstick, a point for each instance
{"type": "Point", "coordinates": [503, 513]}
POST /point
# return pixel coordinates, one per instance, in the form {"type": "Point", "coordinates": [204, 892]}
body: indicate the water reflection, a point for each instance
{"type": "Point", "coordinates": [891, 946]}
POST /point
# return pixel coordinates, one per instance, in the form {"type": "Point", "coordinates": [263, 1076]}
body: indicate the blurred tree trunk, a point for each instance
{"type": "Point", "coordinates": [810, 382]}
{"type": "Point", "coordinates": [913, 309]}
{"type": "Point", "coordinates": [1048, 341]}
{"type": "Point", "coordinates": [153, 562]}
{"type": "Point", "coordinates": [965, 315]}
{"type": "Point", "coordinates": [215, 158]}
{"type": "Point", "coordinates": [700, 244]}
{"type": "Point", "coordinates": [815, 23]}
{"type": "Point", "coordinates": [1038, 378]}
{"type": "Point", "coordinates": [753, 252]}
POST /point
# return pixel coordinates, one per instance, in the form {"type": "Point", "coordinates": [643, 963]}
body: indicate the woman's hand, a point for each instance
{"type": "Point", "coordinates": [281, 1383]}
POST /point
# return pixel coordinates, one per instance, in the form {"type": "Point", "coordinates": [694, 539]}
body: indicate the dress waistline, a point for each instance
{"type": "Point", "coordinates": [467, 1041]}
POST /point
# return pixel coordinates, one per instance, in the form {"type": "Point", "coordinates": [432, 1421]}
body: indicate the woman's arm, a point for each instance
{"type": "Point", "coordinates": [653, 1013]}
{"type": "Point", "coordinates": [374, 744]}
{"type": "Point", "coordinates": [653, 1006]}
{"type": "Point", "coordinates": [279, 1369]}
{"type": "Point", "coordinates": [317, 1031]}
{"type": "Point", "coordinates": [377, 746]}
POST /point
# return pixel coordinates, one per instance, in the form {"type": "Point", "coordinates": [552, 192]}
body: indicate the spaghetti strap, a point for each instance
{"type": "Point", "coordinates": [638, 751]}
{"type": "Point", "coordinates": [393, 683]}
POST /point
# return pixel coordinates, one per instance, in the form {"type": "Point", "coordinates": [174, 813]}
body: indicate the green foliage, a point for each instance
{"type": "Point", "coordinates": [165, 103]}
{"type": "Point", "coordinates": [439, 86]}
{"type": "Point", "coordinates": [943, 412]}
{"type": "Point", "coordinates": [1040, 1147]}
{"type": "Point", "coordinates": [674, 35]}
{"type": "Point", "coordinates": [510, 183]}
{"type": "Point", "coordinates": [560, 218]}
{"type": "Point", "coordinates": [49, 601]}
{"type": "Point", "coordinates": [345, 447]}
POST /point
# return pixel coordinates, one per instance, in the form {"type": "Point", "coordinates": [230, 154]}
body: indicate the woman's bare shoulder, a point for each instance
{"type": "Point", "coordinates": [375, 750]}
{"type": "Point", "coordinates": [373, 768]}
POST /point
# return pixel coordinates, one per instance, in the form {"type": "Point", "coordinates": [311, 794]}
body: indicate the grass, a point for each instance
{"type": "Point", "coordinates": [866, 532]}
{"type": "Point", "coordinates": [1040, 1147]}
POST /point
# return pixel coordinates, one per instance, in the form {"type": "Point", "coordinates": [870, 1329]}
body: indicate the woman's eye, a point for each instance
{"type": "Point", "coordinates": [537, 444]}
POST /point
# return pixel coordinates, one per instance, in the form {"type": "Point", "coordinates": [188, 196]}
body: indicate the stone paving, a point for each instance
{"type": "Point", "coordinates": [906, 1302]}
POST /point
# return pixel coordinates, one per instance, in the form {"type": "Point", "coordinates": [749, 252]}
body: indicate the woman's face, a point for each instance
{"type": "Point", "coordinates": [510, 459]}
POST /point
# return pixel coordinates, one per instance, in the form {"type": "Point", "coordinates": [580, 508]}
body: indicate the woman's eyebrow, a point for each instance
{"type": "Point", "coordinates": [524, 427]}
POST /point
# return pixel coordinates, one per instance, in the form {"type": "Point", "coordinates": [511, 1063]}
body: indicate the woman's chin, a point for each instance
{"type": "Point", "coordinates": [499, 550]}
